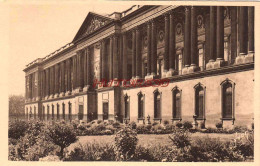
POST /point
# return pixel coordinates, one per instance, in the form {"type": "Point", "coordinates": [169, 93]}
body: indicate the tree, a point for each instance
{"type": "Point", "coordinates": [62, 135]}
{"type": "Point", "coordinates": [16, 105]}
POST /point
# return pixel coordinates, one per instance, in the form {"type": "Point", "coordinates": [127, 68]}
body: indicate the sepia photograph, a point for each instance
{"type": "Point", "coordinates": [130, 82]}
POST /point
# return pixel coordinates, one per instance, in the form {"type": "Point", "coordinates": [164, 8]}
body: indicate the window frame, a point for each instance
{"type": "Point", "coordinates": [196, 87]}
{"type": "Point", "coordinates": [155, 95]}
{"type": "Point", "coordinates": [222, 86]}
{"type": "Point", "coordinates": [140, 94]}
{"type": "Point", "coordinates": [176, 90]}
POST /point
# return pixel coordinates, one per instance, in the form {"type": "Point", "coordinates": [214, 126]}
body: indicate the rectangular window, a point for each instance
{"type": "Point", "coordinates": [80, 115]}
{"type": "Point", "coordinates": [105, 111]}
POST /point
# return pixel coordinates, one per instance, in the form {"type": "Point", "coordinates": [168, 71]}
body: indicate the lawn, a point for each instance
{"type": "Point", "coordinates": [149, 139]}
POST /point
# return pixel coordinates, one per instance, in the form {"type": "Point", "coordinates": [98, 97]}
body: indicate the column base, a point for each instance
{"type": "Point", "coordinates": [193, 68]}
{"type": "Point", "coordinates": [210, 65]}
{"type": "Point", "coordinates": [171, 72]}
{"type": "Point", "coordinates": [61, 94]}
{"type": "Point", "coordinates": [86, 88]}
{"type": "Point", "coordinates": [185, 70]}
{"type": "Point", "coordinates": [150, 77]}
{"type": "Point", "coordinates": [67, 93]}
{"type": "Point", "coordinates": [249, 57]}
{"type": "Point", "coordinates": [38, 98]}
{"type": "Point", "coordinates": [240, 59]}
{"type": "Point", "coordinates": [56, 95]}
{"type": "Point", "coordinates": [219, 63]}
{"type": "Point", "coordinates": [164, 73]}
{"type": "Point", "coordinates": [115, 83]}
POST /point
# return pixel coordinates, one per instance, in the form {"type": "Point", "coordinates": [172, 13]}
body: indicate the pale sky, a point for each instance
{"type": "Point", "coordinates": [36, 30]}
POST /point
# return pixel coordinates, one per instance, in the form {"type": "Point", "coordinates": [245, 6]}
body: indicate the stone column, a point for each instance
{"type": "Point", "coordinates": [251, 29]}
{"type": "Point", "coordinates": [153, 49]}
{"type": "Point", "coordinates": [74, 60]}
{"type": "Point", "coordinates": [115, 57]}
{"type": "Point", "coordinates": [233, 33]}
{"type": "Point", "coordinates": [62, 72]}
{"type": "Point", "coordinates": [111, 58]}
{"type": "Point", "coordinates": [187, 37]}
{"type": "Point", "coordinates": [243, 32]}
{"type": "Point", "coordinates": [133, 54]}
{"type": "Point", "coordinates": [212, 40]}
{"type": "Point", "coordinates": [80, 71]}
{"type": "Point", "coordinates": [194, 40]}
{"type": "Point", "coordinates": [138, 54]}
{"type": "Point", "coordinates": [68, 77]}
{"type": "Point", "coordinates": [85, 66]}
{"type": "Point", "coordinates": [124, 56]}
{"type": "Point", "coordinates": [43, 84]}
{"type": "Point", "coordinates": [30, 87]}
{"type": "Point", "coordinates": [57, 76]}
{"type": "Point", "coordinates": [53, 81]}
{"type": "Point", "coordinates": [148, 48]}
{"type": "Point", "coordinates": [172, 47]}
{"type": "Point", "coordinates": [47, 82]}
{"type": "Point", "coordinates": [103, 61]}
{"type": "Point", "coordinates": [220, 36]}
{"type": "Point", "coordinates": [88, 67]}
{"type": "Point", "coordinates": [166, 45]}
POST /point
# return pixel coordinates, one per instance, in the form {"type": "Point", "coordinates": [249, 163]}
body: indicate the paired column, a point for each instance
{"type": "Point", "coordinates": [88, 67]}
{"type": "Point", "coordinates": [166, 43]}
{"type": "Point", "coordinates": [103, 60]}
{"type": "Point", "coordinates": [68, 75]}
{"type": "Point", "coordinates": [74, 60]}
{"type": "Point", "coordinates": [153, 49]}
{"type": "Point", "coordinates": [62, 72]}
{"type": "Point", "coordinates": [251, 30]}
{"type": "Point", "coordinates": [138, 54]}
{"type": "Point", "coordinates": [243, 31]}
{"type": "Point", "coordinates": [47, 82]}
{"type": "Point", "coordinates": [115, 57]}
{"type": "Point", "coordinates": [220, 33]}
{"type": "Point", "coordinates": [111, 58]}
{"type": "Point", "coordinates": [187, 37]}
{"type": "Point", "coordinates": [194, 38]}
{"type": "Point", "coordinates": [124, 67]}
{"type": "Point", "coordinates": [57, 79]}
{"type": "Point", "coordinates": [212, 56]}
{"type": "Point", "coordinates": [148, 48]}
{"type": "Point", "coordinates": [133, 53]}
{"type": "Point", "coordinates": [172, 44]}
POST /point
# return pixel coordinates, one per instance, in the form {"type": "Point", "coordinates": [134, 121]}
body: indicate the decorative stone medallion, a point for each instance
{"type": "Point", "coordinates": [179, 29]}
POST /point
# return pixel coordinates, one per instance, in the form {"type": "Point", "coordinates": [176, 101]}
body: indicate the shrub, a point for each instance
{"type": "Point", "coordinates": [155, 123]}
{"type": "Point", "coordinates": [148, 127]}
{"type": "Point", "coordinates": [219, 125]}
{"type": "Point", "coordinates": [141, 129]}
{"type": "Point", "coordinates": [245, 144]}
{"type": "Point", "coordinates": [92, 152]}
{"type": "Point", "coordinates": [142, 154]}
{"type": "Point", "coordinates": [125, 141]}
{"type": "Point", "coordinates": [99, 121]}
{"type": "Point", "coordinates": [133, 125]}
{"type": "Point", "coordinates": [187, 125]}
{"type": "Point", "coordinates": [116, 125]}
{"type": "Point", "coordinates": [240, 129]}
{"type": "Point", "coordinates": [179, 124]}
{"type": "Point", "coordinates": [180, 138]}
{"type": "Point", "coordinates": [166, 122]}
{"type": "Point", "coordinates": [17, 129]}
{"type": "Point", "coordinates": [62, 135]}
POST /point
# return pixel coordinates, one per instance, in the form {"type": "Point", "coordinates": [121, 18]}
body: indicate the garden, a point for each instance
{"type": "Point", "coordinates": [113, 141]}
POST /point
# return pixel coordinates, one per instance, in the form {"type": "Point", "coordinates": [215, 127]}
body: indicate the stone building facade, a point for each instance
{"type": "Point", "coordinates": [203, 54]}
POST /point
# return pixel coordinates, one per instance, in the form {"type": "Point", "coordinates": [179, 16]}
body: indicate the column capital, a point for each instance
{"type": "Point", "coordinates": [166, 15]}
{"type": "Point", "coordinates": [187, 9]}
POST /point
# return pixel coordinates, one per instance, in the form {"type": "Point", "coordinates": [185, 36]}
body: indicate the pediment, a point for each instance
{"type": "Point", "coordinates": [91, 23]}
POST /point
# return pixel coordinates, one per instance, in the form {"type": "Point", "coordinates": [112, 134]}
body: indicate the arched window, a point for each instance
{"type": "Point", "coordinates": [199, 101]}
{"type": "Point", "coordinates": [58, 111]}
{"type": "Point", "coordinates": [157, 105]}
{"type": "Point", "coordinates": [63, 111]}
{"type": "Point", "coordinates": [70, 114]}
{"type": "Point", "coordinates": [227, 100]}
{"type": "Point", "coordinates": [127, 107]}
{"type": "Point", "coordinates": [140, 106]}
{"type": "Point", "coordinates": [176, 104]}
